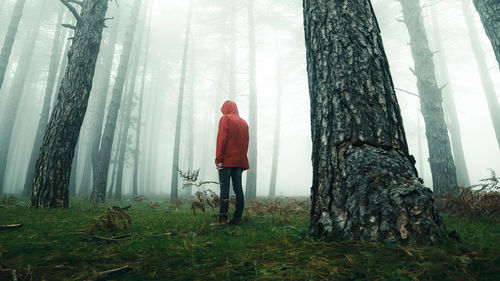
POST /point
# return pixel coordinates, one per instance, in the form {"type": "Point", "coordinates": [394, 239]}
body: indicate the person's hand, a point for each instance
{"type": "Point", "coordinates": [219, 166]}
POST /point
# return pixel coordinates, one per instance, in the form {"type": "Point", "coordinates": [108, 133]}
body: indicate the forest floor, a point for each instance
{"type": "Point", "coordinates": [168, 242]}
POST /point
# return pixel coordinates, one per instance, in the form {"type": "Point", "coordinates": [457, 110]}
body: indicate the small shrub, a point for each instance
{"type": "Point", "coordinates": [113, 219]}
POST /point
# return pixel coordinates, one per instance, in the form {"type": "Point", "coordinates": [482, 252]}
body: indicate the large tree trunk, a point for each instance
{"type": "Point", "coordinates": [101, 172]}
{"type": "Point", "coordinates": [10, 37]}
{"type": "Point", "coordinates": [74, 169]}
{"type": "Point", "coordinates": [277, 125]}
{"type": "Point", "coordinates": [12, 102]}
{"type": "Point", "coordinates": [484, 73]}
{"type": "Point", "coordinates": [449, 102]}
{"type": "Point", "coordinates": [53, 168]}
{"type": "Point", "coordinates": [251, 187]}
{"type": "Point", "coordinates": [443, 169]}
{"type": "Point", "coordinates": [489, 11]}
{"type": "Point", "coordinates": [174, 188]}
{"type": "Point", "coordinates": [365, 185]}
{"type": "Point", "coordinates": [55, 57]}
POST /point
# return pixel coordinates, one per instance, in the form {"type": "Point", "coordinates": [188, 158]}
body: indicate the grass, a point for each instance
{"type": "Point", "coordinates": [170, 243]}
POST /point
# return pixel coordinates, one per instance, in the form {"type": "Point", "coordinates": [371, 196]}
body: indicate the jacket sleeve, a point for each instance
{"type": "Point", "coordinates": [222, 137]}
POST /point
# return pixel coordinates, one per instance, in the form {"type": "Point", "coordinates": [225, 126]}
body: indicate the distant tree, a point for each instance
{"type": "Point", "coordinates": [53, 168]}
{"type": "Point", "coordinates": [489, 11]}
{"type": "Point", "coordinates": [13, 100]}
{"type": "Point", "coordinates": [233, 63]}
{"type": "Point", "coordinates": [57, 45]}
{"type": "Point", "coordinates": [444, 176]}
{"type": "Point", "coordinates": [251, 187]}
{"type": "Point", "coordinates": [174, 188]}
{"type": "Point", "coordinates": [365, 185]}
{"type": "Point", "coordinates": [449, 101]}
{"type": "Point", "coordinates": [10, 37]}
{"type": "Point", "coordinates": [101, 172]}
{"type": "Point", "coordinates": [484, 72]}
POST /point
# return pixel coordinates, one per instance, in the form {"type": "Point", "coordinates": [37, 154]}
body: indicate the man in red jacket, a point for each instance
{"type": "Point", "coordinates": [231, 160]}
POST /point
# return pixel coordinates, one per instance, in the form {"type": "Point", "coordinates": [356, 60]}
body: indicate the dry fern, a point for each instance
{"type": "Point", "coordinates": [113, 219]}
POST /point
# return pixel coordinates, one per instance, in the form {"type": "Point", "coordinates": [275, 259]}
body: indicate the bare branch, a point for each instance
{"type": "Point", "coordinates": [69, 26]}
{"type": "Point", "coordinates": [405, 91]}
{"type": "Point", "coordinates": [78, 2]}
{"type": "Point", "coordinates": [71, 9]}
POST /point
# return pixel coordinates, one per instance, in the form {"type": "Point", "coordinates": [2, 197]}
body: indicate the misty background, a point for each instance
{"type": "Point", "coordinates": [280, 53]}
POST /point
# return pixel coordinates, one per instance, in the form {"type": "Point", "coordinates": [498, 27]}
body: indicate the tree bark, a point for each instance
{"type": "Point", "coordinates": [489, 12]}
{"type": "Point", "coordinates": [55, 57]}
{"type": "Point", "coordinates": [174, 189]}
{"type": "Point", "coordinates": [443, 169]}
{"type": "Point", "coordinates": [12, 102]}
{"type": "Point", "coordinates": [53, 168]}
{"type": "Point", "coordinates": [74, 169]}
{"type": "Point", "coordinates": [449, 102]}
{"type": "Point", "coordinates": [484, 73]}
{"type": "Point", "coordinates": [251, 187]}
{"type": "Point", "coordinates": [104, 155]}
{"type": "Point", "coordinates": [365, 185]}
{"type": "Point", "coordinates": [10, 37]}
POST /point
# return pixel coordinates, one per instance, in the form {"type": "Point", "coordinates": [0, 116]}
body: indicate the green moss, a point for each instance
{"type": "Point", "coordinates": [174, 244]}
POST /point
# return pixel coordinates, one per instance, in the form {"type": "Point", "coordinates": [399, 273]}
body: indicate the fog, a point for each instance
{"type": "Point", "coordinates": [280, 52]}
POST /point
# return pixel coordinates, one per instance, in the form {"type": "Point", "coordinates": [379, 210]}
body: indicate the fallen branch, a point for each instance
{"type": "Point", "coordinates": [10, 226]}
{"type": "Point", "coordinates": [123, 208]}
{"type": "Point", "coordinates": [105, 274]}
{"type": "Point", "coordinates": [114, 238]}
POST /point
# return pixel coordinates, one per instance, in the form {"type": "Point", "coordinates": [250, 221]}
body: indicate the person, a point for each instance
{"type": "Point", "coordinates": [231, 160]}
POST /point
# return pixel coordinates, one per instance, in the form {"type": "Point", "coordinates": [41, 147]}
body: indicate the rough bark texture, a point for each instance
{"type": "Point", "coordinates": [449, 102]}
{"type": "Point", "coordinates": [53, 168]}
{"type": "Point", "coordinates": [74, 169]}
{"type": "Point", "coordinates": [484, 73]}
{"type": "Point", "coordinates": [174, 188]}
{"type": "Point", "coordinates": [443, 169]}
{"type": "Point", "coordinates": [489, 11]}
{"type": "Point", "coordinates": [251, 187]}
{"type": "Point", "coordinates": [101, 171]}
{"type": "Point", "coordinates": [10, 37]}
{"type": "Point", "coordinates": [365, 185]}
{"type": "Point", "coordinates": [55, 57]}
{"type": "Point", "coordinates": [11, 105]}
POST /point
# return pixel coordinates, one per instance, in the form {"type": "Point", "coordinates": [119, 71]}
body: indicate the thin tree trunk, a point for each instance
{"type": "Point", "coordinates": [233, 67]}
{"type": "Point", "coordinates": [484, 73]}
{"type": "Point", "coordinates": [365, 185]}
{"type": "Point", "coordinates": [251, 187]}
{"type": "Point", "coordinates": [53, 168]}
{"type": "Point", "coordinates": [12, 102]}
{"type": "Point", "coordinates": [137, 154]}
{"type": "Point", "coordinates": [277, 125]}
{"type": "Point", "coordinates": [190, 142]}
{"type": "Point", "coordinates": [55, 57]}
{"type": "Point", "coordinates": [489, 12]}
{"type": "Point", "coordinates": [104, 155]}
{"type": "Point", "coordinates": [443, 169]}
{"type": "Point", "coordinates": [10, 37]}
{"type": "Point", "coordinates": [449, 103]}
{"type": "Point", "coordinates": [174, 189]}
{"type": "Point", "coordinates": [85, 186]}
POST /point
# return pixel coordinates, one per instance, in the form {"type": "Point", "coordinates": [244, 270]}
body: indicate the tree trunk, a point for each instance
{"type": "Point", "coordinates": [174, 188]}
{"type": "Point", "coordinates": [277, 125]}
{"type": "Point", "coordinates": [87, 175]}
{"type": "Point", "coordinates": [104, 155]}
{"type": "Point", "coordinates": [74, 169]}
{"type": "Point", "coordinates": [489, 12]}
{"type": "Point", "coordinates": [101, 93]}
{"type": "Point", "coordinates": [62, 68]}
{"type": "Point", "coordinates": [49, 89]}
{"type": "Point", "coordinates": [190, 143]}
{"type": "Point", "coordinates": [137, 154]}
{"type": "Point", "coordinates": [53, 168]}
{"type": "Point", "coordinates": [449, 102]}
{"type": "Point", "coordinates": [12, 102]}
{"type": "Point", "coordinates": [443, 170]}
{"type": "Point", "coordinates": [251, 187]}
{"type": "Point", "coordinates": [10, 37]}
{"type": "Point", "coordinates": [365, 185]}
{"type": "Point", "coordinates": [484, 73]}
{"type": "Point", "coordinates": [122, 149]}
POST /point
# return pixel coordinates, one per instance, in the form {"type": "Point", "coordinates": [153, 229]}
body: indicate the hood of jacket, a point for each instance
{"type": "Point", "coordinates": [229, 107]}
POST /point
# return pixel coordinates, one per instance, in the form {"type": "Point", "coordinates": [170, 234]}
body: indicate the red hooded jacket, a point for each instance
{"type": "Point", "coordinates": [232, 138]}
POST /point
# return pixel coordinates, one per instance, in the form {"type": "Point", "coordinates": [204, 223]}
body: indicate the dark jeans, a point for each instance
{"type": "Point", "coordinates": [225, 175]}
